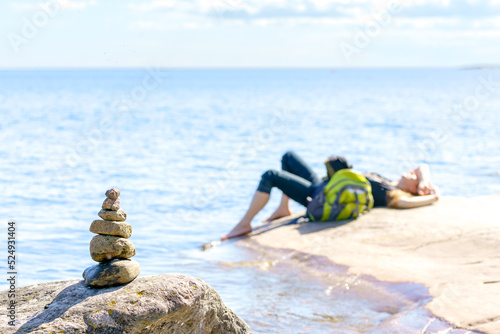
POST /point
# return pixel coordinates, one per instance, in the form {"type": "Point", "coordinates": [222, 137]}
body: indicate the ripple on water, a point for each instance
{"type": "Point", "coordinates": [313, 295]}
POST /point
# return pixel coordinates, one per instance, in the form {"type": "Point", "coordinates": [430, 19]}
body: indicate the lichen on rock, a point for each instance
{"type": "Point", "coordinates": [166, 303]}
{"type": "Point", "coordinates": [107, 247]}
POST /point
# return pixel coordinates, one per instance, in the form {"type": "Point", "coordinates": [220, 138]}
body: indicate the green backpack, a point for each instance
{"type": "Point", "coordinates": [346, 196]}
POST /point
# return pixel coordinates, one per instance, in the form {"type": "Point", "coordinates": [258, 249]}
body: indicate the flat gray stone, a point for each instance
{"type": "Point", "coordinates": [166, 303]}
{"type": "Point", "coordinates": [112, 273]}
{"type": "Point", "coordinates": [119, 215]}
{"type": "Point", "coordinates": [108, 227]}
{"type": "Point", "coordinates": [108, 247]}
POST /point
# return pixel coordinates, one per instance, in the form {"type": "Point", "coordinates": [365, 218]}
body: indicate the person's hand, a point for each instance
{"type": "Point", "coordinates": [436, 192]}
{"type": "Point", "coordinates": [425, 188]}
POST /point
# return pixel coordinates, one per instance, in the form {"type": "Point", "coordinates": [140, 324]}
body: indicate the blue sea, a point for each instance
{"type": "Point", "coordinates": [187, 148]}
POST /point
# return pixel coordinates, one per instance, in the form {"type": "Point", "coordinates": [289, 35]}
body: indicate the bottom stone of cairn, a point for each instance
{"type": "Point", "coordinates": [112, 273]}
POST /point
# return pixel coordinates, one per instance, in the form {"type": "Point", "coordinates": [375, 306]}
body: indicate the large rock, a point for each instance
{"type": "Point", "coordinates": [107, 247]}
{"type": "Point", "coordinates": [115, 272]}
{"type": "Point", "coordinates": [167, 303]}
{"type": "Point", "coordinates": [119, 215]}
{"type": "Point", "coordinates": [107, 227]}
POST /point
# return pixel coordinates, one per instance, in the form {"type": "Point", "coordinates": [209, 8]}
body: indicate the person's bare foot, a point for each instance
{"type": "Point", "coordinates": [237, 231]}
{"type": "Point", "coordinates": [279, 213]}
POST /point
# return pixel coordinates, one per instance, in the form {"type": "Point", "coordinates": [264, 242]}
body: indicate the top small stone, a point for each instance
{"type": "Point", "coordinates": [113, 193]}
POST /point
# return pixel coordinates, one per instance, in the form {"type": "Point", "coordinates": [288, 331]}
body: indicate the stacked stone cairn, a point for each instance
{"type": "Point", "coordinates": [111, 247]}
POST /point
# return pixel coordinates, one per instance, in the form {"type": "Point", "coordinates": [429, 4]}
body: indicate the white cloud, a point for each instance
{"type": "Point", "coordinates": [347, 15]}
{"type": "Point", "coordinates": [250, 7]}
{"type": "Point", "coordinates": [76, 5]}
{"type": "Point", "coordinates": [22, 6]}
{"type": "Point", "coordinates": [163, 26]}
{"type": "Point", "coordinates": [144, 25]}
{"type": "Point", "coordinates": [292, 22]}
{"type": "Point", "coordinates": [63, 4]}
{"type": "Point", "coordinates": [276, 7]}
{"type": "Point", "coordinates": [249, 10]}
{"type": "Point", "coordinates": [427, 22]}
{"type": "Point", "coordinates": [154, 5]}
{"type": "Point", "coordinates": [490, 22]}
{"type": "Point", "coordinates": [453, 38]}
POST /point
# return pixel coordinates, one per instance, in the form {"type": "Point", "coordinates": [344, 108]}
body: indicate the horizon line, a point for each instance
{"type": "Point", "coordinates": [476, 66]}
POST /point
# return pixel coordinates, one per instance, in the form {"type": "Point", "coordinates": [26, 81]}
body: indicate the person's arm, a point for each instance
{"type": "Point", "coordinates": [424, 180]}
{"type": "Point", "coordinates": [416, 201]}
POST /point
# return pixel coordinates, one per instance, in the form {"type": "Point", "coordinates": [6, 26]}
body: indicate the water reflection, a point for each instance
{"type": "Point", "coordinates": [295, 292]}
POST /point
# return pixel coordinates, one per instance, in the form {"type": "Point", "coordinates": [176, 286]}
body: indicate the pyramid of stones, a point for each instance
{"type": "Point", "coordinates": [111, 247]}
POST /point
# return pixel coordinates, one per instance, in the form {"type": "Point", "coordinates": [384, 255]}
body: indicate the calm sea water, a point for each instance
{"type": "Point", "coordinates": [187, 148]}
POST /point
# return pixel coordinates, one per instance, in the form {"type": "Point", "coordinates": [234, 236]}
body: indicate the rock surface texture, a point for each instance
{"type": "Point", "coordinates": [111, 204]}
{"type": "Point", "coordinates": [110, 247]}
{"type": "Point", "coordinates": [106, 227]}
{"type": "Point", "coordinates": [107, 274]}
{"type": "Point", "coordinates": [113, 193]}
{"type": "Point", "coordinates": [119, 215]}
{"type": "Point", "coordinates": [167, 303]}
{"type": "Point", "coordinates": [451, 247]}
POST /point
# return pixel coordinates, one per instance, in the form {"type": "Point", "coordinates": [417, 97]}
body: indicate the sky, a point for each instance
{"type": "Point", "coordinates": [248, 33]}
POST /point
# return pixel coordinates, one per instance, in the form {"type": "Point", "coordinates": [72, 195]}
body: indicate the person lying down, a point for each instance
{"type": "Point", "coordinates": [298, 182]}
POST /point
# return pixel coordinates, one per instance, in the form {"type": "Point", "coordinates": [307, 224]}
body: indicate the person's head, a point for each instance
{"type": "Point", "coordinates": [409, 182]}
{"type": "Point", "coordinates": [335, 163]}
